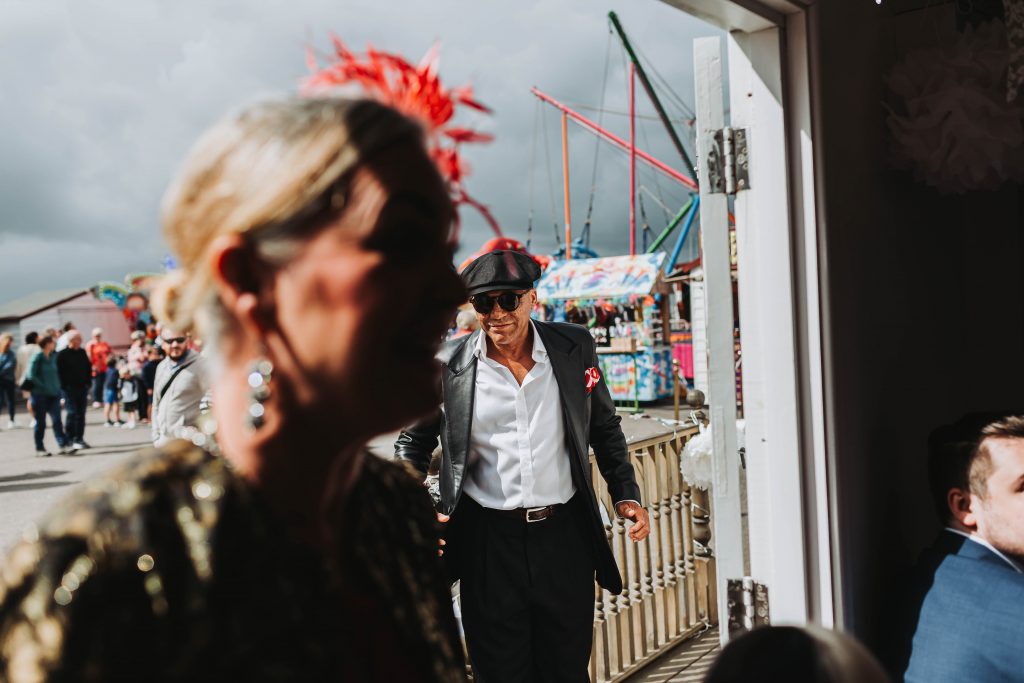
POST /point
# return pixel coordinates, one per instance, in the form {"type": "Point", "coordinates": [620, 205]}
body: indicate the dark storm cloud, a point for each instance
{"type": "Point", "coordinates": [102, 100]}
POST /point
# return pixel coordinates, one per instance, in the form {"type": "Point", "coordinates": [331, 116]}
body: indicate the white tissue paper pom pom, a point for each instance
{"type": "Point", "coordinates": [696, 461]}
{"type": "Point", "coordinates": [949, 121]}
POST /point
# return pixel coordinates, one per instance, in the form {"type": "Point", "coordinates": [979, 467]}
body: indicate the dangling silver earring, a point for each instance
{"type": "Point", "coordinates": [259, 392]}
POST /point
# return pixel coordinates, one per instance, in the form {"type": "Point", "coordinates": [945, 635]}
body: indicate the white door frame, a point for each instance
{"type": "Point", "coordinates": [727, 538]}
{"type": "Point", "coordinates": [780, 252]}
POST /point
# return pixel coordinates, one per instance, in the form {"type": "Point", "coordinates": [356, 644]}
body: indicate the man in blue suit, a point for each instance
{"type": "Point", "coordinates": [968, 591]}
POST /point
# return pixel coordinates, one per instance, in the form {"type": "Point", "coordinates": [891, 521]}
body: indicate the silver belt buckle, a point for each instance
{"type": "Point", "coordinates": [530, 511]}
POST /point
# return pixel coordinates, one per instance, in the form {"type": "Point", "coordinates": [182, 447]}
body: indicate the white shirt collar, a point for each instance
{"type": "Point", "coordinates": [540, 352]}
{"type": "Point", "coordinates": [982, 541]}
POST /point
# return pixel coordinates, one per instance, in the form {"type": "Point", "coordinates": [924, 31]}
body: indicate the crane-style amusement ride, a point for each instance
{"type": "Point", "coordinates": [685, 215]}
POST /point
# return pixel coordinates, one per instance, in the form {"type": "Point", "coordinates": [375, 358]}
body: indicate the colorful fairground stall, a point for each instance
{"type": "Point", "coordinates": [623, 301]}
{"type": "Point", "coordinates": [132, 298]}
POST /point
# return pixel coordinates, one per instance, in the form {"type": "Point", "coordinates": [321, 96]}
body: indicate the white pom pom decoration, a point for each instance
{"type": "Point", "coordinates": [696, 461]}
{"type": "Point", "coordinates": [949, 121]}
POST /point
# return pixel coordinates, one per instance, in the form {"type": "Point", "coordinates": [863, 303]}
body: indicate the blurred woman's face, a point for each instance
{"type": "Point", "coordinates": [365, 304]}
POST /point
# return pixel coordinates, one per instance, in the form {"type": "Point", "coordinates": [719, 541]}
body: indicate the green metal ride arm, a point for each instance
{"type": "Point", "coordinates": [654, 97]}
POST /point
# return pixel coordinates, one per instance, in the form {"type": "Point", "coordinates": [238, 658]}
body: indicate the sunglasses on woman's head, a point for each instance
{"type": "Point", "coordinates": [484, 304]}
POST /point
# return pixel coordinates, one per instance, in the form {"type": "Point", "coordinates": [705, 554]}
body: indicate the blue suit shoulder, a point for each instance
{"type": "Point", "coordinates": [963, 582]}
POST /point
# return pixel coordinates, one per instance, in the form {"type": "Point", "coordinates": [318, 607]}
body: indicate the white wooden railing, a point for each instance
{"type": "Point", "coordinates": [668, 579]}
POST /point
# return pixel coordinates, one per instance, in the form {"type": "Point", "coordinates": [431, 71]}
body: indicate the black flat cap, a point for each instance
{"type": "Point", "coordinates": [498, 270]}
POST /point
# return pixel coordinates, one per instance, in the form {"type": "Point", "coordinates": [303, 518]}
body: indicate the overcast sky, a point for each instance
{"type": "Point", "coordinates": [100, 101]}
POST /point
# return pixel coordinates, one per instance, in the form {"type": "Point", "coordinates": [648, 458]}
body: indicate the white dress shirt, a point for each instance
{"type": "Point", "coordinates": [517, 451]}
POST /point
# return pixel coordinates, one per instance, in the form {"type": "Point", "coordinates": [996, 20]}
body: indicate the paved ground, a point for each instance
{"type": "Point", "coordinates": [29, 485]}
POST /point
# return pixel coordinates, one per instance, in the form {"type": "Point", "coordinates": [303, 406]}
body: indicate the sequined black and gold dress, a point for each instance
{"type": "Point", "coordinates": [172, 568]}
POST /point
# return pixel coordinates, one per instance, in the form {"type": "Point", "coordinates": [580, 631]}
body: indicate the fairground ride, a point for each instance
{"type": "Point", "coordinates": [579, 247]}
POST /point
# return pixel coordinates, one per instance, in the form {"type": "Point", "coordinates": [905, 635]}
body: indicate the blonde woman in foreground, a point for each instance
{"type": "Point", "coordinates": [313, 243]}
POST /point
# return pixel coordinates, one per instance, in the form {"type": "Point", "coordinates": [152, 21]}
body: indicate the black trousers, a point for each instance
{"type": "Point", "coordinates": [7, 393]}
{"type": "Point", "coordinates": [527, 594]}
{"type": "Point", "coordinates": [76, 400]}
{"type": "Point", "coordinates": [140, 386]}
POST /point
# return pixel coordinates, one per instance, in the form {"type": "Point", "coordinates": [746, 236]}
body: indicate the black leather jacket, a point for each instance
{"type": "Point", "coordinates": [590, 422]}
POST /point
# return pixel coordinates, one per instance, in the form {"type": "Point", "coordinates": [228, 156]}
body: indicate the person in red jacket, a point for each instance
{"type": "Point", "coordinates": [99, 352]}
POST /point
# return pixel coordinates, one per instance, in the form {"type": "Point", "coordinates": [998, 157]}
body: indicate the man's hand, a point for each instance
{"type": "Point", "coordinates": [641, 525]}
{"type": "Point", "coordinates": [440, 542]}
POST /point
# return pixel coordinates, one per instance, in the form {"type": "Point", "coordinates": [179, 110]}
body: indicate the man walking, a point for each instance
{"type": "Point", "coordinates": [178, 389]}
{"type": "Point", "coordinates": [523, 403]}
{"type": "Point", "coordinates": [75, 371]}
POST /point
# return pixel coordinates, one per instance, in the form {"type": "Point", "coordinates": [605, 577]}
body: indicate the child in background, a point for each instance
{"type": "Point", "coordinates": [111, 400]}
{"type": "Point", "coordinates": [129, 389]}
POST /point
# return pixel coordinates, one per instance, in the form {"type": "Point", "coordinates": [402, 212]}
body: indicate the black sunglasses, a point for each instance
{"type": "Point", "coordinates": [484, 304]}
{"type": "Point", "coordinates": [175, 340]}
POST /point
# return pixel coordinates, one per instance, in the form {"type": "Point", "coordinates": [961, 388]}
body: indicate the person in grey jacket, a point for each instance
{"type": "Point", "coordinates": [45, 395]}
{"type": "Point", "coordinates": [178, 389]}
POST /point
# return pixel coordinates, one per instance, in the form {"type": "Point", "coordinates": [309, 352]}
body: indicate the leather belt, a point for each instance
{"type": "Point", "coordinates": [530, 515]}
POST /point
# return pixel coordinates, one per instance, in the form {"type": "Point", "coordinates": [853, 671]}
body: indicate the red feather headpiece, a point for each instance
{"type": "Point", "coordinates": [416, 91]}
{"type": "Point", "coordinates": [506, 244]}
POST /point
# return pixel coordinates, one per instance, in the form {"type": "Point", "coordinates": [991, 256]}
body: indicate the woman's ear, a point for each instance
{"type": "Point", "coordinates": [240, 282]}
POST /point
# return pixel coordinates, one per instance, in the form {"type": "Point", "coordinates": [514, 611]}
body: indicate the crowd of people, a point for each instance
{"type": "Point", "coordinates": [57, 375]}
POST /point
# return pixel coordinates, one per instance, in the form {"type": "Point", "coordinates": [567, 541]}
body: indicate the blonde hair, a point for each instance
{"type": "Point", "coordinates": [6, 339]}
{"type": "Point", "coordinates": [275, 173]}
